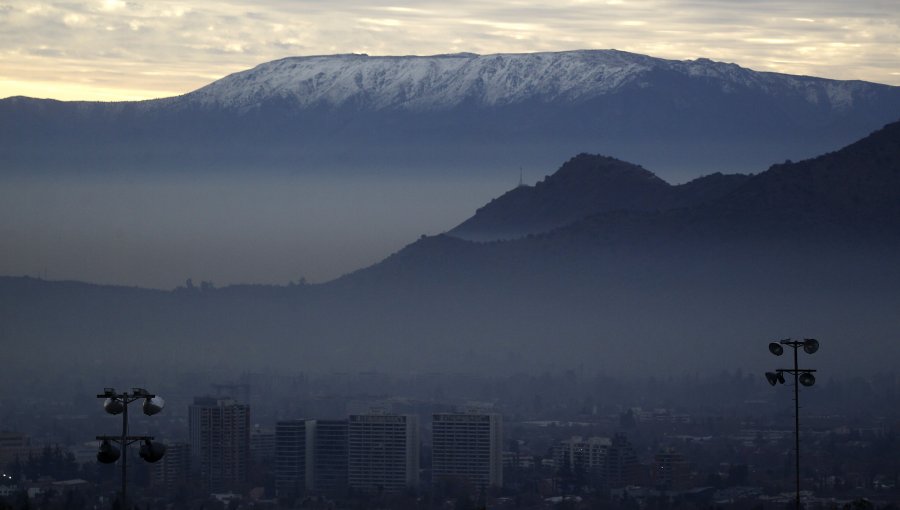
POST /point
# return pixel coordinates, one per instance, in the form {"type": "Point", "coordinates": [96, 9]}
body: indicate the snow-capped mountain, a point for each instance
{"type": "Point", "coordinates": [465, 111]}
{"type": "Point", "coordinates": [443, 82]}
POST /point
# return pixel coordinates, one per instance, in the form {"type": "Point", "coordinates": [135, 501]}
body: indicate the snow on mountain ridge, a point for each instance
{"type": "Point", "coordinates": [442, 82]}
{"type": "Point", "coordinates": [422, 83]}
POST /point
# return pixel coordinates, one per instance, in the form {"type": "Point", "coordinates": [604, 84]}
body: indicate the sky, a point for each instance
{"type": "Point", "coordinates": [113, 50]}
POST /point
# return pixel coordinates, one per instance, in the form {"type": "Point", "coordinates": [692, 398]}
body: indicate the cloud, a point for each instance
{"type": "Point", "coordinates": [181, 44]}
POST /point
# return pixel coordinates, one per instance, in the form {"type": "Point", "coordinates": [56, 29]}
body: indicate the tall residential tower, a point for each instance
{"type": "Point", "coordinates": [292, 444]}
{"type": "Point", "coordinates": [468, 447]}
{"type": "Point", "coordinates": [219, 442]}
{"type": "Point", "coordinates": [383, 452]}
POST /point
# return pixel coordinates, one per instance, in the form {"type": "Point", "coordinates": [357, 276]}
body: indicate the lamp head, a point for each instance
{"type": "Point", "coordinates": [807, 379]}
{"type": "Point", "coordinates": [774, 378]}
{"type": "Point", "coordinates": [810, 345]}
{"type": "Point", "coordinates": [108, 452]}
{"type": "Point", "coordinates": [776, 348]}
{"type": "Point", "coordinates": [113, 406]}
{"type": "Point", "coordinates": [153, 405]}
{"type": "Point", "coordinates": [152, 451]}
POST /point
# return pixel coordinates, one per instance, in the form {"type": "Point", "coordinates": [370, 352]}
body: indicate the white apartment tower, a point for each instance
{"type": "Point", "coordinates": [469, 447]}
{"type": "Point", "coordinates": [383, 452]}
{"type": "Point", "coordinates": [219, 442]}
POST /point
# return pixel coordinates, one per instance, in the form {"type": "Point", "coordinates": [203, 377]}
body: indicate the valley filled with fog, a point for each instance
{"type": "Point", "coordinates": [258, 226]}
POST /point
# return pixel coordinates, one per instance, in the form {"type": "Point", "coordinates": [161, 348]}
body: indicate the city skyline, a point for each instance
{"type": "Point", "coordinates": [559, 435]}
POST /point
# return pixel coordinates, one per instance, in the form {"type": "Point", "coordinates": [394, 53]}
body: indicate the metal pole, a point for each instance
{"type": "Point", "coordinates": [124, 444]}
{"type": "Point", "coordinates": [797, 422]}
{"type": "Point", "coordinates": [125, 440]}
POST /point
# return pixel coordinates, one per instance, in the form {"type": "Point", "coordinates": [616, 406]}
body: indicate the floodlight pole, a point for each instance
{"type": "Point", "coordinates": [125, 440]}
{"type": "Point", "coordinates": [797, 425]}
{"type": "Point", "coordinates": [808, 346]}
{"type": "Point", "coordinates": [124, 504]}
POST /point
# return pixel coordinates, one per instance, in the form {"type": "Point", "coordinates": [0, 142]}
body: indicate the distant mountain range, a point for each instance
{"type": "Point", "coordinates": [460, 112]}
{"type": "Point", "coordinates": [597, 208]}
{"type": "Point", "coordinates": [603, 264]}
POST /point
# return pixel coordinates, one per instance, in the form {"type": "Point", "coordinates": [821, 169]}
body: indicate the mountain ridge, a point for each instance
{"type": "Point", "coordinates": [414, 112]}
{"type": "Point", "coordinates": [583, 186]}
{"type": "Point", "coordinates": [422, 83]}
{"type": "Point", "coordinates": [585, 73]}
{"type": "Point", "coordinates": [843, 202]}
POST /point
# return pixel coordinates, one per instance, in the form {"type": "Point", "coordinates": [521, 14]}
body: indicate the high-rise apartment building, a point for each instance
{"type": "Point", "coordinates": [220, 442]}
{"type": "Point", "coordinates": [468, 447]}
{"type": "Point", "coordinates": [585, 454]}
{"type": "Point", "coordinates": [292, 441]}
{"type": "Point", "coordinates": [311, 455]}
{"type": "Point", "coordinates": [670, 470]}
{"type": "Point", "coordinates": [612, 461]}
{"type": "Point", "coordinates": [173, 470]}
{"type": "Point", "coordinates": [330, 456]}
{"type": "Point", "coordinates": [622, 467]}
{"type": "Point", "coordinates": [383, 452]}
{"type": "Point", "coordinates": [262, 445]}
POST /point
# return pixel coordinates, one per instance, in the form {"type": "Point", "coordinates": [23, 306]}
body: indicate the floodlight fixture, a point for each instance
{"type": "Point", "coordinates": [108, 453]}
{"type": "Point", "coordinates": [810, 345]}
{"type": "Point", "coordinates": [151, 451]}
{"type": "Point", "coordinates": [153, 405]}
{"type": "Point", "coordinates": [113, 405]}
{"type": "Point", "coordinates": [773, 378]}
{"type": "Point", "coordinates": [807, 379]}
{"type": "Point", "coordinates": [776, 348]}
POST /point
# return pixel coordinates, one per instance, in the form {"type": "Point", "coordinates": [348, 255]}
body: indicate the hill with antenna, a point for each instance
{"type": "Point", "coordinates": [586, 185]}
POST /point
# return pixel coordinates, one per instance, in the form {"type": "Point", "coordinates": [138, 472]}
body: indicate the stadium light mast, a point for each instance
{"type": "Point", "coordinates": [802, 376]}
{"type": "Point", "coordinates": [117, 403]}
